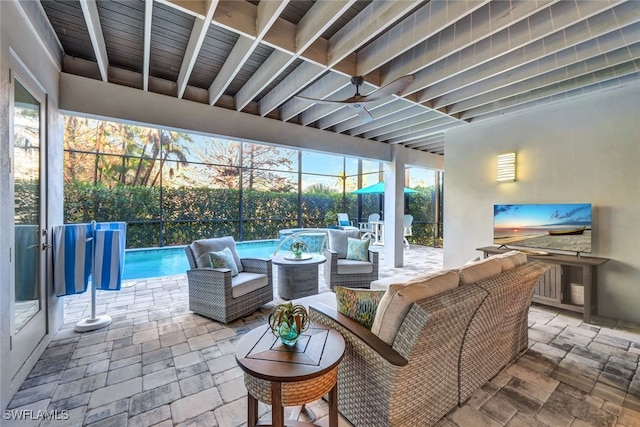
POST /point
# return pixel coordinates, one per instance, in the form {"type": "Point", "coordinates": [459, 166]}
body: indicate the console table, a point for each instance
{"type": "Point", "coordinates": [554, 287]}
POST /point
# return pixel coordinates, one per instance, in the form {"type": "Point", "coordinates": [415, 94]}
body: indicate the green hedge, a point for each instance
{"type": "Point", "coordinates": [192, 213]}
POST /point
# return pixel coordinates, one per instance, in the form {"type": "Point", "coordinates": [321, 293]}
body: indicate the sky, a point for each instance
{"type": "Point", "coordinates": [532, 215]}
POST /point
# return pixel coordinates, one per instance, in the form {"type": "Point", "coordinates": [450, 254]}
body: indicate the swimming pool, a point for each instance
{"type": "Point", "coordinates": [156, 262]}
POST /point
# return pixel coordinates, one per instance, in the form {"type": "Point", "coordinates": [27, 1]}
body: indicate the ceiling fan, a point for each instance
{"type": "Point", "coordinates": [357, 101]}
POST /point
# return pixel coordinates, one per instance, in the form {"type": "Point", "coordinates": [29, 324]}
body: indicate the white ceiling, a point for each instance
{"type": "Point", "coordinates": [472, 60]}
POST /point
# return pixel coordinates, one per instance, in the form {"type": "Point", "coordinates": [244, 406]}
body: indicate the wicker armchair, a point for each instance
{"type": "Point", "coordinates": [339, 271]}
{"type": "Point", "coordinates": [211, 290]}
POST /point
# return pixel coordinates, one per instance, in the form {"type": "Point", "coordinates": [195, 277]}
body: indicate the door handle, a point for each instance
{"type": "Point", "coordinates": [46, 246]}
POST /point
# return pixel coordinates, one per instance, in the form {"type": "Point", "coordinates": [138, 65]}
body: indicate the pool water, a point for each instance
{"type": "Point", "coordinates": [156, 262]}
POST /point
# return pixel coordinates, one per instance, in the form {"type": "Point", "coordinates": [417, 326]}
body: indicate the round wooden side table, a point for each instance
{"type": "Point", "coordinates": [281, 376]}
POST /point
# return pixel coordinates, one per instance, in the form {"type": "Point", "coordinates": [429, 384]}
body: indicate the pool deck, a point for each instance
{"type": "Point", "coordinates": [158, 364]}
{"type": "Point", "coordinates": [171, 292]}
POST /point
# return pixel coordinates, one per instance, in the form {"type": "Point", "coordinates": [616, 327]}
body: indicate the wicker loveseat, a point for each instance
{"type": "Point", "coordinates": [446, 346]}
{"type": "Point", "coordinates": [216, 293]}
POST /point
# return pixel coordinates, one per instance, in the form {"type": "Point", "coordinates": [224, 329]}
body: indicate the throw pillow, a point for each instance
{"type": "Point", "coordinates": [223, 259]}
{"type": "Point", "coordinates": [338, 240]}
{"type": "Point", "coordinates": [358, 304]}
{"type": "Point", "coordinates": [512, 259]}
{"type": "Point", "coordinates": [201, 249]}
{"type": "Point", "coordinates": [344, 223]}
{"type": "Point", "coordinates": [480, 270]}
{"type": "Point", "coordinates": [357, 250]}
{"type": "Point", "coordinates": [398, 299]}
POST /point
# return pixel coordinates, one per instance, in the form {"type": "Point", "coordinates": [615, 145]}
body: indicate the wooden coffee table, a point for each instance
{"type": "Point", "coordinates": [290, 376]}
{"type": "Point", "coordinates": [297, 278]}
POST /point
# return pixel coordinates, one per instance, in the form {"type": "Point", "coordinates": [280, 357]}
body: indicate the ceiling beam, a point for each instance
{"type": "Point", "coordinates": [370, 22]}
{"type": "Point", "coordinates": [419, 131]}
{"type": "Point", "coordinates": [550, 24]}
{"type": "Point", "coordinates": [427, 21]}
{"type": "Point", "coordinates": [395, 124]}
{"type": "Point", "coordinates": [92, 19]}
{"type": "Point", "coordinates": [146, 50]}
{"type": "Point", "coordinates": [612, 83]}
{"type": "Point", "coordinates": [315, 22]}
{"type": "Point", "coordinates": [414, 29]}
{"type": "Point", "coordinates": [611, 49]}
{"type": "Point", "coordinates": [198, 33]}
{"type": "Point", "coordinates": [268, 12]}
{"type": "Point", "coordinates": [547, 92]}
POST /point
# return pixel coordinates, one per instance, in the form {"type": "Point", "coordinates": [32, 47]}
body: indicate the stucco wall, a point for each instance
{"type": "Point", "coordinates": [580, 150]}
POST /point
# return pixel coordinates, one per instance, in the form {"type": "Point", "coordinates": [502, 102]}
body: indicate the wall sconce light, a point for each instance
{"type": "Point", "coordinates": [507, 167]}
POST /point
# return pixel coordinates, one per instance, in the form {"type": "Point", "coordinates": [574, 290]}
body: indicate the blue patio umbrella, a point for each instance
{"type": "Point", "coordinates": [379, 189]}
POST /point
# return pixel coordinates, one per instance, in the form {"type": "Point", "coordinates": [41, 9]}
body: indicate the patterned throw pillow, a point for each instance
{"type": "Point", "coordinates": [359, 304]}
{"type": "Point", "coordinates": [223, 259]}
{"type": "Point", "coordinates": [358, 250]}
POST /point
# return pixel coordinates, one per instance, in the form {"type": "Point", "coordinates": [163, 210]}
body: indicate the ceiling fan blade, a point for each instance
{"type": "Point", "coordinates": [321, 101]}
{"type": "Point", "coordinates": [364, 115]}
{"type": "Point", "coordinates": [393, 88]}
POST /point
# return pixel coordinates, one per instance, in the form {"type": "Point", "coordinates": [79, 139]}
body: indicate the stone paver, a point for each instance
{"type": "Point", "coordinates": [158, 364]}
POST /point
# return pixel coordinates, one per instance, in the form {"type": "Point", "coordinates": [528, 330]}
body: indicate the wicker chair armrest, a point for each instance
{"type": "Point", "coordinates": [355, 328]}
{"type": "Point", "coordinates": [256, 265]}
{"type": "Point", "coordinates": [217, 280]}
{"type": "Point", "coordinates": [212, 270]}
{"type": "Point", "coordinates": [374, 257]}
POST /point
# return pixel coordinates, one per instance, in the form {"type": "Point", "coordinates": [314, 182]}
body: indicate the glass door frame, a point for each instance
{"type": "Point", "coordinates": [27, 339]}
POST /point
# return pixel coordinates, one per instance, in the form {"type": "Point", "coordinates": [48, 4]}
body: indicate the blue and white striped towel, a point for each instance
{"type": "Point", "coordinates": [110, 238]}
{"type": "Point", "coordinates": [71, 258]}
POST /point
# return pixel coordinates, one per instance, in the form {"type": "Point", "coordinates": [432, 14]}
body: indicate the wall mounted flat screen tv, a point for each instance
{"type": "Point", "coordinates": [562, 227]}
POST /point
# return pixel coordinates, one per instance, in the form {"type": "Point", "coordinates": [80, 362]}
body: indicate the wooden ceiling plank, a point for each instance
{"type": "Point", "coordinates": [586, 57]}
{"type": "Point", "coordinates": [344, 122]}
{"type": "Point", "coordinates": [396, 118]}
{"type": "Point", "coordinates": [534, 29]}
{"type": "Point", "coordinates": [92, 19]}
{"type": "Point", "coordinates": [613, 82]}
{"type": "Point", "coordinates": [237, 16]}
{"type": "Point", "coordinates": [197, 8]}
{"type": "Point", "coordinates": [198, 33]}
{"type": "Point", "coordinates": [414, 29]}
{"type": "Point", "coordinates": [546, 92]}
{"type": "Point", "coordinates": [371, 21]}
{"type": "Point", "coordinates": [422, 121]}
{"type": "Point", "coordinates": [404, 35]}
{"type": "Point", "coordinates": [148, 18]}
{"type": "Point", "coordinates": [268, 13]}
{"type": "Point", "coordinates": [421, 131]}
{"type": "Point", "coordinates": [304, 35]}
{"type": "Point", "coordinates": [483, 23]}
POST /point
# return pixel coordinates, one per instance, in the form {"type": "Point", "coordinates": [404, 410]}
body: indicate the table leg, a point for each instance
{"type": "Point", "coordinates": [333, 406]}
{"type": "Point", "coordinates": [277, 411]}
{"type": "Point", "coordinates": [252, 410]}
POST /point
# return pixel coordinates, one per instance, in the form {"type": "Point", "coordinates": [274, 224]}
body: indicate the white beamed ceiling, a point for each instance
{"type": "Point", "coordinates": [472, 59]}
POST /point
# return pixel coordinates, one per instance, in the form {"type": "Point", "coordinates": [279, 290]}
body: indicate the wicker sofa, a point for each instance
{"type": "Point", "coordinates": [446, 346]}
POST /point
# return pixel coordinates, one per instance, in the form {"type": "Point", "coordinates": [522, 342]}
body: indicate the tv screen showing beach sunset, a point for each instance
{"type": "Point", "coordinates": [564, 227]}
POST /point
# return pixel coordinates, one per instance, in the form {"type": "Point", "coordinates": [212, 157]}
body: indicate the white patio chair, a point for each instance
{"type": "Point", "coordinates": [408, 229]}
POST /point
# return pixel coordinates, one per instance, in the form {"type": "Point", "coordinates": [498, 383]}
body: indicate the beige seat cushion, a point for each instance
{"type": "Point", "coordinates": [511, 259]}
{"type": "Point", "coordinates": [350, 266]}
{"type": "Point", "coordinates": [397, 301]}
{"type": "Point", "coordinates": [201, 249]}
{"type": "Point", "coordinates": [472, 272]}
{"type": "Point", "coordinates": [245, 282]}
